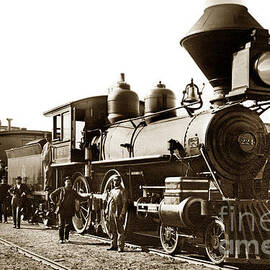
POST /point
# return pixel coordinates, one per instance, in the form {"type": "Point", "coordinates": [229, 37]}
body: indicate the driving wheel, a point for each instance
{"type": "Point", "coordinates": [82, 217]}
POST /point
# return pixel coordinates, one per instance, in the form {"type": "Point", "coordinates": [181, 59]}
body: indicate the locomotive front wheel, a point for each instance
{"type": "Point", "coordinates": [104, 216]}
{"type": "Point", "coordinates": [170, 239]}
{"type": "Point", "coordinates": [82, 217]}
{"type": "Point", "coordinates": [215, 241]}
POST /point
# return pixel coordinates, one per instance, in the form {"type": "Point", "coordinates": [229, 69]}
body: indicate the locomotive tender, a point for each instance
{"type": "Point", "coordinates": [201, 178]}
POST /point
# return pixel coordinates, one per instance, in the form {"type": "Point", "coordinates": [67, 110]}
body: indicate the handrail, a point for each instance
{"type": "Point", "coordinates": [212, 174]}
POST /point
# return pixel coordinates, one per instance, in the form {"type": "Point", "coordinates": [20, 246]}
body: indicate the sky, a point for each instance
{"type": "Point", "coordinates": [57, 51]}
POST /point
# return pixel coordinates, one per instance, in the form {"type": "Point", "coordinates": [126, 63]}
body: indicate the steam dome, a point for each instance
{"type": "Point", "coordinates": [122, 102]}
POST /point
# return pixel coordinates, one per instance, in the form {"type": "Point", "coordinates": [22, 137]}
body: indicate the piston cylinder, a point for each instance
{"type": "Point", "coordinates": [184, 215]}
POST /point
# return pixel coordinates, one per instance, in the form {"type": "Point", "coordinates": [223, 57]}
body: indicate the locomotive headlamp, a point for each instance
{"type": "Point", "coordinates": [251, 69]}
{"type": "Point", "coordinates": [262, 67]}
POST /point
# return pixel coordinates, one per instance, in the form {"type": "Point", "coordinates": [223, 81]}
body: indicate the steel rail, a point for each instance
{"type": "Point", "coordinates": [34, 256]}
{"type": "Point", "coordinates": [178, 257]}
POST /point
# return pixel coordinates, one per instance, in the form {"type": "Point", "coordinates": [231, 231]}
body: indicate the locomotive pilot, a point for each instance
{"type": "Point", "coordinates": [116, 210]}
{"type": "Point", "coordinates": [18, 193]}
{"type": "Point", "coordinates": [64, 199]}
{"type": "Point", "coordinates": [46, 157]}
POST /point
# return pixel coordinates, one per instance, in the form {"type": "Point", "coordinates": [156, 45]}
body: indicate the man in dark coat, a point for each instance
{"type": "Point", "coordinates": [64, 199]}
{"type": "Point", "coordinates": [4, 199]}
{"type": "Point", "coordinates": [18, 193]}
{"type": "Point", "coordinates": [116, 210]}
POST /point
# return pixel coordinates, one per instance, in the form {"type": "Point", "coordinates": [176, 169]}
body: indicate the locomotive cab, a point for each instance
{"type": "Point", "coordinates": [73, 124]}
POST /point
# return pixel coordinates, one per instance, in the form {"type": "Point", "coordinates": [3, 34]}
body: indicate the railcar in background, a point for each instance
{"type": "Point", "coordinates": [12, 137]}
{"type": "Point", "coordinates": [25, 161]}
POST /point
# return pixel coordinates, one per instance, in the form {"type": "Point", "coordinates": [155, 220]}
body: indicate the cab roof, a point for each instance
{"type": "Point", "coordinates": [81, 104]}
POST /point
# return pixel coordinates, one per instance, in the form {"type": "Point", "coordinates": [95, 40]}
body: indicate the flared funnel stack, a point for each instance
{"type": "Point", "coordinates": [220, 32]}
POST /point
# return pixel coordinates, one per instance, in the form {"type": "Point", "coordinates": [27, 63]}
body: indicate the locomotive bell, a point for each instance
{"type": "Point", "coordinates": [122, 102]}
{"type": "Point", "coordinates": [160, 99]}
{"type": "Point", "coordinates": [191, 93]}
{"type": "Point", "coordinates": [211, 42]}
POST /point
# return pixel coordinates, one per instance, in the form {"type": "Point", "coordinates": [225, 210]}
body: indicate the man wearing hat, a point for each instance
{"type": "Point", "coordinates": [116, 210]}
{"type": "Point", "coordinates": [18, 193]}
{"type": "Point", "coordinates": [64, 199]}
{"type": "Point", "coordinates": [4, 198]}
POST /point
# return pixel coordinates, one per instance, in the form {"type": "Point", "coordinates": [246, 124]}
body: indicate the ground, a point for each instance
{"type": "Point", "coordinates": [82, 253]}
{"type": "Point", "coordinates": [9, 259]}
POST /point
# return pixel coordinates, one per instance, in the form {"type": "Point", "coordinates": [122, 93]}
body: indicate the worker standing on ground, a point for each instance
{"type": "Point", "coordinates": [18, 193]}
{"type": "Point", "coordinates": [116, 210]}
{"type": "Point", "coordinates": [64, 199]}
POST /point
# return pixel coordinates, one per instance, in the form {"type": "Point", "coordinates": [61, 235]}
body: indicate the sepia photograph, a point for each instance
{"type": "Point", "coordinates": [135, 134]}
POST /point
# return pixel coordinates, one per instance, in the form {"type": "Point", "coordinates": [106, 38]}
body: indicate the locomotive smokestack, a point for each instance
{"type": "Point", "coordinates": [211, 42]}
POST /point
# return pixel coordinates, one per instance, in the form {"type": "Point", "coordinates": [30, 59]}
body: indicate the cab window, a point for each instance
{"type": "Point", "coordinates": [62, 126]}
{"type": "Point", "coordinates": [66, 126]}
{"type": "Point", "coordinates": [57, 127]}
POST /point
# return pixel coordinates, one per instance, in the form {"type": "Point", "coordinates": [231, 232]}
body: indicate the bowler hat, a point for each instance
{"type": "Point", "coordinates": [18, 178]}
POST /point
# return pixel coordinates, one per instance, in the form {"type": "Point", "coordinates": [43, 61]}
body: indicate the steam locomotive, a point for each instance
{"type": "Point", "coordinates": [198, 178]}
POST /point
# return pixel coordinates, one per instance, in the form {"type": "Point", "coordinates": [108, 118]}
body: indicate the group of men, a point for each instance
{"type": "Point", "coordinates": [64, 200]}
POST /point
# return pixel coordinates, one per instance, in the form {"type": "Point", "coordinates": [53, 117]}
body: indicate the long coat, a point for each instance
{"type": "Point", "coordinates": [58, 197]}
{"type": "Point", "coordinates": [18, 194]}
{"type": "Point", "coordinates": [4, 195]}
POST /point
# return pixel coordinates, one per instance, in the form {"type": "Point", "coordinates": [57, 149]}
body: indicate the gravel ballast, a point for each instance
{"type": "Point", "coordinates": [81, 253]}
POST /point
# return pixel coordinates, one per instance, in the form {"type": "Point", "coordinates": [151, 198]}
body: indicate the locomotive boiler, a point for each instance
{"type": "Point", "coordinates": [231, 140]}
{"type": "Point", "coordinates": [194, 177]}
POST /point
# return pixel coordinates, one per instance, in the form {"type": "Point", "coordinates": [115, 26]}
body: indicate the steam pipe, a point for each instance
{"type": "Point", "coordinates": [212, 174]}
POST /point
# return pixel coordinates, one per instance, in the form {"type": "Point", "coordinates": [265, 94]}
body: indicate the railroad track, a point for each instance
{"type": "Point", "coordinates": [178, 257]}
{"type": "Point", "coordinates": [34, 256]}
